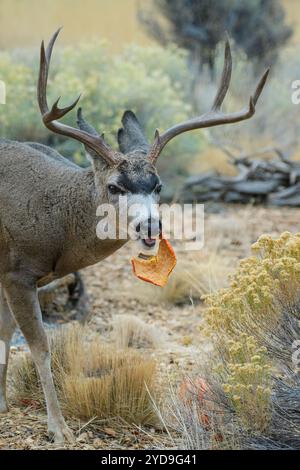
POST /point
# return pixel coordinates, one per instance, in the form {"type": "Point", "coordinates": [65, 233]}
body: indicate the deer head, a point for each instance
{"type": "Point", "coordinates": [131, 171]}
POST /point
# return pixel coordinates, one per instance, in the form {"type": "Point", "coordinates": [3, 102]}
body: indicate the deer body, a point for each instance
{"type": "Point", "coordinates": [48, 212]}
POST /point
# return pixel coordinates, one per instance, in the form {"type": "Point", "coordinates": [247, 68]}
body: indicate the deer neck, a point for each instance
{"type": "Point", "coordinates": [82, 246]}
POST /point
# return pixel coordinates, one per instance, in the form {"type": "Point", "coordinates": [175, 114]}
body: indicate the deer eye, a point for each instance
{"type": "Point", "coordinates": [158, 188]}
{"type": "Point", "coordinates": [113, 189]}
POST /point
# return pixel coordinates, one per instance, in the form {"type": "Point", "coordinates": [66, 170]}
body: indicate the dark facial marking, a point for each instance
{"type": "Point", "coordinates": [137, 184]}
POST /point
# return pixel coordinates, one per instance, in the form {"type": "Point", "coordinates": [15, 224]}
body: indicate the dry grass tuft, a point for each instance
{"type": "Point", "coordinates": [132, 332]}
{"type": "Point", "coordinates": [93, 380]}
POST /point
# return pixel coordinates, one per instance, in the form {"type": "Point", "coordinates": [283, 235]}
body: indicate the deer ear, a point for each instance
{"type": "Point", "coordinates": [131, 136]}
{"type": "Point", "coordinates": [91, 155]}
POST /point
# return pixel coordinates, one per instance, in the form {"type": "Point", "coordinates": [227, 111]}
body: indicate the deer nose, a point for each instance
{"type": "Point", "coordinates": [150, 228]}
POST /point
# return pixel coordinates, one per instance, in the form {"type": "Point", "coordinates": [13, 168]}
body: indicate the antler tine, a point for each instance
{"type": "Point", "coordinates": [50, 117]}
{"type": "Point", "coordinates": [51, 44]}
{"type": "Point", "coordinates": [42, 81]}
{"type": "Point", "coordinates": [260, 86]}
{"type": "Point", "coordinates": [214, 117]}
{"type": "Point", "coordinates": [57, 113]}
{"type": "Point", "coordinates": [225, 79]}
{"type": "Point", "coordinates": [45, 58]}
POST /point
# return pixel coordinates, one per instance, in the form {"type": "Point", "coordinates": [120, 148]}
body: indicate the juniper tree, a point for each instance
{"type": "Point", "coordinates": [257, 27]}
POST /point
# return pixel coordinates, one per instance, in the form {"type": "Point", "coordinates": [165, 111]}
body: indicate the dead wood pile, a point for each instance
{"type": "Point", "coordinates": [274, 181]}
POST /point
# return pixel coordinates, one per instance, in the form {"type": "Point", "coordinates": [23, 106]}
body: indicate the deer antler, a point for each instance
{"type": "Point", "coordinates": [50, 117]}
{"type": "Point", "coordinates": [215, 116]}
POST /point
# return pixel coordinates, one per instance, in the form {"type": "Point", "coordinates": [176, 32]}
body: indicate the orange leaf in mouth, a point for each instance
{"type": "Point", "coordinates": [156, 269]}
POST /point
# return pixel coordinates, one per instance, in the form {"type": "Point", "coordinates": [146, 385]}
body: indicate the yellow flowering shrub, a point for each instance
{"type": "Point", "coordinates": [238, 317]}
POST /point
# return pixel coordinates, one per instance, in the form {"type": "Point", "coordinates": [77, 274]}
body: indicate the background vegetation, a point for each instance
{"type": "Point", "coordinates": [97, 56]}
{"type": "Point", "coordinates": [111, 84]}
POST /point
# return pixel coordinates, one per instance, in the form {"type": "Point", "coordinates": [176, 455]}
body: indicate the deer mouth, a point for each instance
{"type": "Point", "coordinates": [149, 242]}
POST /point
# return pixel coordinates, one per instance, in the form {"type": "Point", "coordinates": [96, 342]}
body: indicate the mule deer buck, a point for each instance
{"type": "Point", "coordinates": [48, 212]}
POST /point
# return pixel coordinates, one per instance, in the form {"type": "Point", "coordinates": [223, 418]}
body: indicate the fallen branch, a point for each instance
{"type": "Point", "coordinates": [275, 182]}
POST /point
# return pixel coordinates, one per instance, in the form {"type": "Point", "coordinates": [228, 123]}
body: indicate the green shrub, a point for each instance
{"type": "Point", "coordinates": [154, 82]}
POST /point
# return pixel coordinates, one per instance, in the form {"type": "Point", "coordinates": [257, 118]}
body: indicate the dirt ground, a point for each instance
{"type": "Point", "coordinates": [113, 290]}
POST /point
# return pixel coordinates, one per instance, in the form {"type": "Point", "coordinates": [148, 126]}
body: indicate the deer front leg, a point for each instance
{"type": "Point", "coordinates": [23, 302]}
{"type": "Point", "coordinates": [7, 327]}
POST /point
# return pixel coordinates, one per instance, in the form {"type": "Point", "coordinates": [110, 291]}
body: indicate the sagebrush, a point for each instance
{"type": "Point", "coordinates": [251, 395]}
